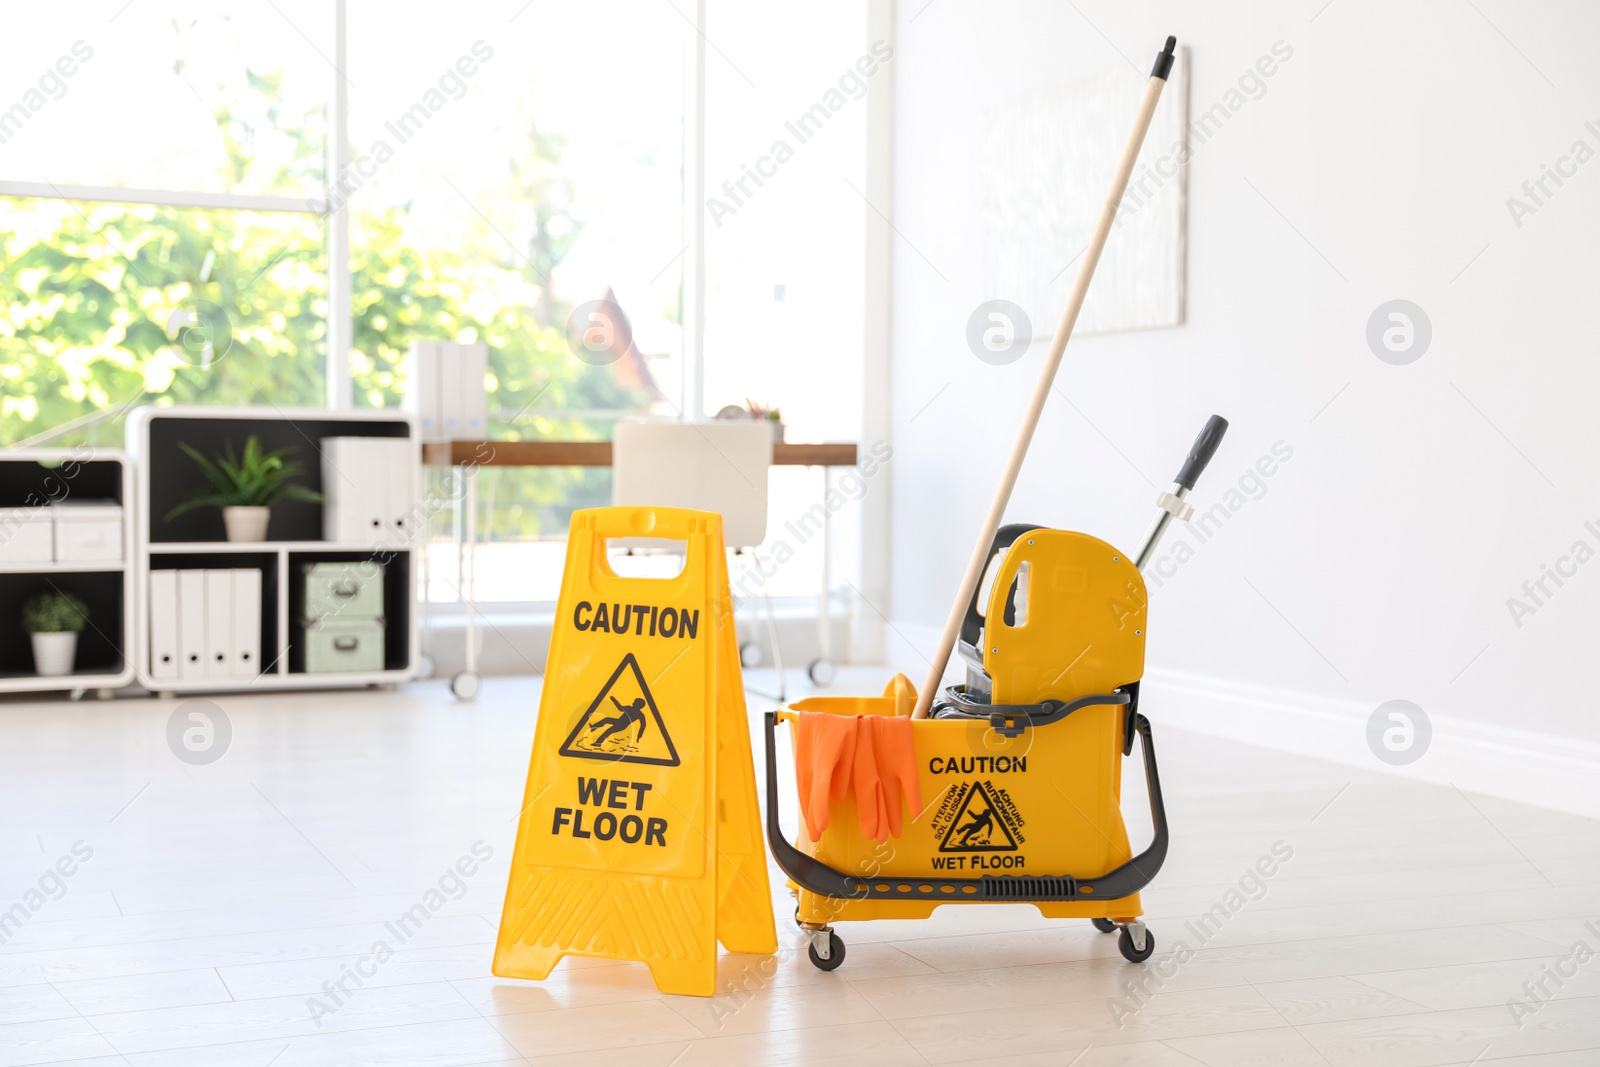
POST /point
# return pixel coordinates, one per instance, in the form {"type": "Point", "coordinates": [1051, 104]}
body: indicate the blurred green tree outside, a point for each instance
{"type": "Point", "coordinates": [108, 306]}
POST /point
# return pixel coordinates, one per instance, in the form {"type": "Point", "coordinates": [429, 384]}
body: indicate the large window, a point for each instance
{"type": "Point", "coordinates": [529, 167]}
{"type": "Point", "coordinates": [197, 97]}
{"type": "Point", "coordinates": [786, 122]}
{"type": "Point", "coordinates": [211, 286]}
{"type": "Point", "coordinates": [267, 204]}
{"type": "Point", "coordinates": [112, 304]}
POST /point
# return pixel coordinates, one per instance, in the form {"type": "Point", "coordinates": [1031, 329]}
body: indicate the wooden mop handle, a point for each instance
{"type": "Point", "coordinates": [1047, 375]}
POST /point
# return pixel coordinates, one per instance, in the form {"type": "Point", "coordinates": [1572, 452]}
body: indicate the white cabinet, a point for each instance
{"type": "Point", "coordinates": [224, 616]}
{"type": "Point", "coordinates": [64, 529]}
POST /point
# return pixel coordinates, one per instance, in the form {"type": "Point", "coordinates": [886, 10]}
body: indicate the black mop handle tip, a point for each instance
{"type": "Point", "coordinates": [1163, 65]}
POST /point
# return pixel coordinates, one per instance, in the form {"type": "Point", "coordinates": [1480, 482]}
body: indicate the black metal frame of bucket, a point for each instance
{"type": "Point", "coordinates": [817, 877]}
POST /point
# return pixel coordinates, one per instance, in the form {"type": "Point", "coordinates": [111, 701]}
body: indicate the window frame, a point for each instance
{"type": "Point", "coordinates": [880, 22]}
{"type": "Point", "coordinates": [336, 222]}
{"type": "Point", "coordinates": [341, 324]}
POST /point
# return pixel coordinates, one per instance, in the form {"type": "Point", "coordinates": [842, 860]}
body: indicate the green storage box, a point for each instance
{"type": "Point", "coordinates": [343, 590]}
{"type": "Point", "coordinates": [340, 645]}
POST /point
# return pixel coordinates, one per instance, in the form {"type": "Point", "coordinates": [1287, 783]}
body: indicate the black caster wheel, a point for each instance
{"type": "Point", "coordinates": [751, 655]}
{"type": "Point", "coordinates": [1131, 954]}
{"type": "Point", "coordinates": [797, 921]}
{"type": "Point", "coordinates": [821, 671]}
{"type": "Point", "coordinates": [835, 954]}
{"type": "Point", "coordinates": [1105, 926]}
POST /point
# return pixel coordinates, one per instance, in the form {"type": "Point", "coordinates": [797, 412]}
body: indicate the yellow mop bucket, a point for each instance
{"type": "Point", "coordinates": [1020, 769]}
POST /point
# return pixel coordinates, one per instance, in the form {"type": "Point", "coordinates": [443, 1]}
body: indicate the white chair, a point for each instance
{"type": "Point", "coordinates": [706, 466]}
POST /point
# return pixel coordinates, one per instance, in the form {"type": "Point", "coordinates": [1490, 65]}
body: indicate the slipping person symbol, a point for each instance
{"type": "Point", "coordinates": [980, 824]}
{"type": "Point", "coordinates": [629, 715]}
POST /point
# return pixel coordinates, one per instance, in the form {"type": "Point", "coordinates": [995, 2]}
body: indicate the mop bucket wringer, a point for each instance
{"type": "Point", "coordinates": [1020, 768]}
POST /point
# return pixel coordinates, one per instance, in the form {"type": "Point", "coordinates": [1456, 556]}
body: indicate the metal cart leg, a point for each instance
{"type": "Point", "coordinates": [466, 683]}
{"type": "Point", "coordinates": [821, 670]}
{"type": "Point", "coordinates": [423, 607]}
{"type": "Point", "coordinates": [749, 652]}
{"type": "Point", "coordinates": [777, 652]}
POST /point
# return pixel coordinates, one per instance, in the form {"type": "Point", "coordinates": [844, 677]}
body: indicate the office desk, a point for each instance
{"type": "Point", "coordinates": [468, 456]}
{"type": "Point", "coordinates": [598, 454]}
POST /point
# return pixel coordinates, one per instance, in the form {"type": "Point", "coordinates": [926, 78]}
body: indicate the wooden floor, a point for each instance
{"type": "Point", "coordinates": [218, 901]}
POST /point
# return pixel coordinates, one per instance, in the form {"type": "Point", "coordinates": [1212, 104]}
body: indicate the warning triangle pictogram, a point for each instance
{"type": "Point", "coordinates": [979, 825]}
{"type": "Point", "coordinates": [616, 727]}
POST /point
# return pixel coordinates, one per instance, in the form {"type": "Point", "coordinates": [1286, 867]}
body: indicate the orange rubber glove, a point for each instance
{"type": "Point", "coordinates": [824, 755]}
{"type": "Point", "coordinates": [865, 783]}
{"type": "Point", "coordinates": [895, 753]}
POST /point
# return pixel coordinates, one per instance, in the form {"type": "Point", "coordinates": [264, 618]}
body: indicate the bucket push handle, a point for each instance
{"type": "Point", "coordinates": [817, 877]}
{"type": "Point", "coordinates": [1003, 539]}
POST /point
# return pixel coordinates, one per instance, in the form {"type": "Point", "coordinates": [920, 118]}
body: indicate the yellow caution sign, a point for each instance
{"type": "Point", "coordinates": [639, 836]}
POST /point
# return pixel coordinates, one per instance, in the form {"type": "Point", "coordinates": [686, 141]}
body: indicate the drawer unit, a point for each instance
{"type": "Point", "coordinates": [343, 591]}
{"type": "Point", "coordinates": [339, 645]}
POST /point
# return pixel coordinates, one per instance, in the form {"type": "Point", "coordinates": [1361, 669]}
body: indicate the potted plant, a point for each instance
{"type": "Point", "coordinates": [773, 417]}
{"type": "Point", "coordinates": [53, 621]}
{"type": "Point", "coordinates": [245, 487]}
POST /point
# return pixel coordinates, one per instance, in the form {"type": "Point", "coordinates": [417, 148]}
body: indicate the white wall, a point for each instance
{"type": "Point", "coordinates": [1378, 562]}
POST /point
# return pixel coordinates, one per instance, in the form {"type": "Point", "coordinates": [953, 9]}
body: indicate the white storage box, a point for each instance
{"type": "Point", "coordinates": [25, 535]}
{"type": "Point", "coordinates": [445, 387]}
{"type": "Point", "coordinates": [87, 531]}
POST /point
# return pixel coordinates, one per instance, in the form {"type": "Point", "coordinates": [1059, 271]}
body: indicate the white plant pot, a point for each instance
{"type": "Point", "coordinates": [53, 653]}
{"type": "Point", "coordinates": [246, 524]}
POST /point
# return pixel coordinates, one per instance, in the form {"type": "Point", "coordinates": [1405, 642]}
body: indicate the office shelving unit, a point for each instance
{"type": "Point", "coordinates": [196, 539]}
{"type": "Point", "coordinates": [34, 477]}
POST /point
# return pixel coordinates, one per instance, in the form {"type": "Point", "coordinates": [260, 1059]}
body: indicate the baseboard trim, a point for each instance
{"type": "Point", "coordinates": [1525, 766]}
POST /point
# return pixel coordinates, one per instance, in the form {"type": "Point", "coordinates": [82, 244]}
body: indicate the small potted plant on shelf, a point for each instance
{"type": "Point", "coordinates": [245, 487]}
{"type": "Point", "coordinates": [775, 420]}
{"type": "Point", "coordinates": [53, 621]}
{"type": "Point", "coordinates": [773, 417]}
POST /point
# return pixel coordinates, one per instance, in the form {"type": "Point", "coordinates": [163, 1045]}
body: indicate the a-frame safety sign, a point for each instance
{"type": "Point", "coordinates": [639, 835]}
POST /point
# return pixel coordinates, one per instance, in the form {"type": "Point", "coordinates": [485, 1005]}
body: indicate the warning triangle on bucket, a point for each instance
{"type": "Point", "coordinates": [980, 824]}
{"type": "Point", "coordinates": [622, 724]}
